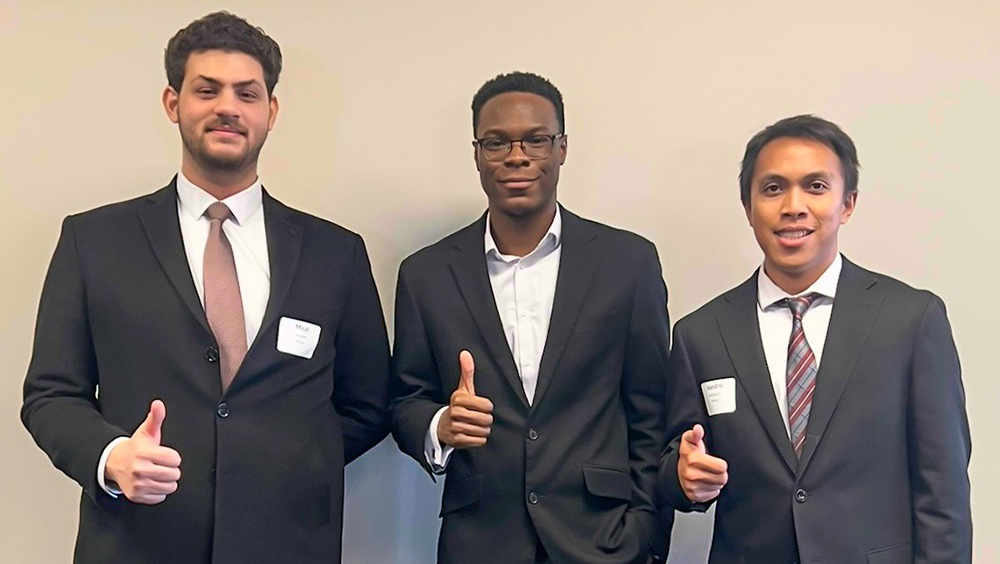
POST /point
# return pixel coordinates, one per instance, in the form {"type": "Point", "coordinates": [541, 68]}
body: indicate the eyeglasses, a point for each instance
{"type": "Point", "coordinates": [535, 147]}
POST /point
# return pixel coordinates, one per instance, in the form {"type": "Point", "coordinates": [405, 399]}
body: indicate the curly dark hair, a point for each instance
{"type": "Point", "coordinates": [227, 32]}
{"type": "Point", "coordinates": [518, 82]}
{"type": "Point", "coordinates": [803, 127]}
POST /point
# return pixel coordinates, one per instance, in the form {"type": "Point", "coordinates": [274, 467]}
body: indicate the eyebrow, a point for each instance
{"type": "Point", "coordinates": [818, 175]}
{"type": "Point", "coordinates": [241, 84]}
{"type": "Point", "coordinates": [498, 133]}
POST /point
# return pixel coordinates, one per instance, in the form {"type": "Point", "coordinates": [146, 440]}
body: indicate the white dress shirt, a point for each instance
{"type": "Point", "coordinates": [246, 235]}
{"type": "Point", "coordinates": [776, 325]}
{"type": "Point", "coordinates": [523, 289]}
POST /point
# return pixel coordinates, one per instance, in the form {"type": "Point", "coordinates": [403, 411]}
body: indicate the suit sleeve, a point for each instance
{"type": "Point", "coordinates": [684, 410]}
{"type": "Point", "coordinates": [361, 370]}
{"type": "Point", "coordinates": [61, 409]}
{"type": "Point", "coordinates": [417, 393]}
{"type": "Point", "coordinates": [643, 382]}
{"type": "Point", "coordinates": [940, 445]}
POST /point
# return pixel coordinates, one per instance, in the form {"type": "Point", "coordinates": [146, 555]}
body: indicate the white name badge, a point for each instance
{"type": "Point", "coordinates": [720, 395]}
{"type": "Point", "coordinates": [298, 337]}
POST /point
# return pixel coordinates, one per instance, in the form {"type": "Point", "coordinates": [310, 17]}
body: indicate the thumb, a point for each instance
{"type": "Point", "coordinates": [468, 366]}
{"type": "Point", "coordinates": [150, 428]}
{"type": "Point", "coordinates": [696, 438]}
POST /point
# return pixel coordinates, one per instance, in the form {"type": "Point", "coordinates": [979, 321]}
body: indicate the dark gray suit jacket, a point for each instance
{"type": "Point", "coordinates": [576, 469]}
{"type": "Point", "coordinates": [262, 464]}
{"type": "Point", "coordinates": [883, 474]}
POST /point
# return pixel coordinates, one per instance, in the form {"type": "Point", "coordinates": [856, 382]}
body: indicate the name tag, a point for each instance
{"type": "Point", "coordinates": [720, 395]}
{"type": "Point", "coordinates": [298, 337]}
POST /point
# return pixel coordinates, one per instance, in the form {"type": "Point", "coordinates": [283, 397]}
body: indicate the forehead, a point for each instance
{"type": "Point", "coordinates": [223, 66]}
{"type": "Point", "coordinates": [517, 112]}
{"type": "Point", "coordinates": [794, 156]}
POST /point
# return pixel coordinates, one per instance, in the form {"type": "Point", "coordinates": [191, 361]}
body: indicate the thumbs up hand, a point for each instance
{"type": "Point", "coordinates": [145, 471]}
{"type": "Point", "coordinates": [701, 475]}
{"type": "Point", "coordinates": [467, 421]}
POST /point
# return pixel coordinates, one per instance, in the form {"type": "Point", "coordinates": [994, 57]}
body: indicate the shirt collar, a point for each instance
{"type": "Point", "coordinates": [194, 200]}
{"type": "Point", "coordinates": [548, 243]}
{"type": "Point", "coordinates": [768, 292]}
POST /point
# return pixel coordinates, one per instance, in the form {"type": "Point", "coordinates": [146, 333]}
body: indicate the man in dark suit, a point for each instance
{"type": "Point", "coordinates": [259, 327]}
{"type": "Point", "coordinates": [529, 359]}
{"type": "Point", "coordinates": [824, 402]}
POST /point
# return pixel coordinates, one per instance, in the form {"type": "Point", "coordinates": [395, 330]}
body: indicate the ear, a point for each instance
{"type": "Point", "coordinates": [170, 102]}
{"type": "Point", "coordinates": [563, 148]}
{"type": "Point", "coordinates": [746, 210]}
{"type": "Point", "coordinates": [272, 112]}
{"type": "Point", "coordinates": [475, 154]}
{"type": "Point", "coordinates": [849, 204]}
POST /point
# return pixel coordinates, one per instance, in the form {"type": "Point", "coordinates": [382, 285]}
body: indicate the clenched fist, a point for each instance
{"type": "Point", "coordinates": [145, 471]}
{"type": "Point", "coordinates": [467, 420]}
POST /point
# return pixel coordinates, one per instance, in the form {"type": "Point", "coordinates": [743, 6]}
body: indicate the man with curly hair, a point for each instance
{"type": "Point", "coordinates": [257, 325]}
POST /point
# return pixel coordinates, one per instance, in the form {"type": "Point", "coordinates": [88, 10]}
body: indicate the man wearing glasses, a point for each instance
{"type": "Point", "coordinates": [530, 359]}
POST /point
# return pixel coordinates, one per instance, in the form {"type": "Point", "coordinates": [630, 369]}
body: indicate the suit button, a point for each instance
{"type": "Point", "coordinates": [532, 434]}
{"type": "Point", "coordinates": [801, 495]}
{"type": "Point", "coordinates": [212, 354]}
{"type": "Point", "coordinates": [223, 410]}
{"type": "Point", "coordinates": [533, 498]}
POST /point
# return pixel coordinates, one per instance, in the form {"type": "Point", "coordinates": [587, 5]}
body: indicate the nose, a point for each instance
{"type": "Point", "coordinates": [793, 203]}
{"type": "Point", "coordinates": [516, 157]}
{"type": "Point", "coordinates": [226, 103]}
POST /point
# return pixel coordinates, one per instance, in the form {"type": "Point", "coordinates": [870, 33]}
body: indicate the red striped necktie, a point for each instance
{"type": "Point", "coordinates": [800, 372]}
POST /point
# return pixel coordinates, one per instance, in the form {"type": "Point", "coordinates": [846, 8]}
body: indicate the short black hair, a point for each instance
{"type": "Point", "coordinates": [518, 82]}
{"type": "Point", "coordinates": [803, 127]}
{"type": "Point", "coordinates": [226, 32]}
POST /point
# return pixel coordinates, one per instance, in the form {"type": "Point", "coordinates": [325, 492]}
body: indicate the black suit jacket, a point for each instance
{"type": "Point", "coordinates": [120, 324]}
{"type": "Point", "coordinates": [577, 468]}
{"type": "Point", "coordinates": [883, 473]}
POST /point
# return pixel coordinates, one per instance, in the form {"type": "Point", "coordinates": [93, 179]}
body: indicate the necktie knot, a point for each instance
{"type": "Point", "coordinates": [800, 304]}
{"type": "Point", "coordinates": [218, 210]}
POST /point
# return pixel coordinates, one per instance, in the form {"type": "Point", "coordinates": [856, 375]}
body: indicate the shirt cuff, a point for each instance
{"type": "Point", "coordinates": [437, 456]}
{"type": "Point", "coordinates": [108, 489]}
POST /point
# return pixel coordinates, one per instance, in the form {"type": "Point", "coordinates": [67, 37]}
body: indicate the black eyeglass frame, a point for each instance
{"type": "Point", "coordinates": [478, 144]}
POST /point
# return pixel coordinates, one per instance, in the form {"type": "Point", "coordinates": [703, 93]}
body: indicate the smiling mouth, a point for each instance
{"type": "Point", "coordinates": [794, 234]}
{"type": "Point", "coordinates": [518, 183]}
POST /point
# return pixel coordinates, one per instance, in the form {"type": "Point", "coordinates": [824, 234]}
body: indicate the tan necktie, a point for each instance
{"type": "Point", "coordinates": [223, 303]}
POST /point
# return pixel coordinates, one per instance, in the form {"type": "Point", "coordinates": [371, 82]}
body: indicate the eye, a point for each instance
{"type": "Point", "coordinates": [248, 95]}
{"type": "Point", "coordinates": [493, 144]}
{"type": "Point", "coordinates": [772, 188]}
{"type": "Point", "coordinates": [205, 91]}
{"type": "Point", "coordinates": [817, 186]}
{"type": "Point", "coordinates": [538, 141]}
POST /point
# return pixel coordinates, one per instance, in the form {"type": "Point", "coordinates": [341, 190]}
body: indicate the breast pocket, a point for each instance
{"type": "Point", "coordinates": [613, 319]}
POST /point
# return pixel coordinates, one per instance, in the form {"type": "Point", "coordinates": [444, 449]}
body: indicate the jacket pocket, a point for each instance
{"type": "Point", "coordinates": [896, 554]}
{"type": "Point", "coordinates": [460, 492]}
{"type": "Point", "coordinates": [612, 319]}
{"type": "Point", "coordinates": [608, 482]}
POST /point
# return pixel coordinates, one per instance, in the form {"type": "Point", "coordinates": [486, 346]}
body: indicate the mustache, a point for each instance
{"type": "Point", "coordinates": [226, 124]}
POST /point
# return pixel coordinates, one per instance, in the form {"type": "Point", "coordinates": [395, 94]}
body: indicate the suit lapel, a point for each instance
{"type": "Point", "coordinates": [576, 269]}
{"type": "Point", "coordinates": [854, 311]}
{"type": "Point", "coordinates": [741, 334]}
{"type": "Point", "coordinates": [468, 265]}
{"type": "Point", "coordinates": [159, 220]}
{"type": "Point", "coordinates": [284, 243]}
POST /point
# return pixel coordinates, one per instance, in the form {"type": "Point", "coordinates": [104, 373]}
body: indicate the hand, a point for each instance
{"type": "Point", "coordinates": [701, 475]}
{"type": "Point", "coordinates": [145, 471]}
{"type": "Point", "coordinates": [467, 420]}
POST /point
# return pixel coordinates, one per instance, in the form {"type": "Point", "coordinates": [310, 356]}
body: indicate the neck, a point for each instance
{"type": "Point", "coordinates": [519, 235]}
{"type": "Point", "coordinates": [221, 184]}
{"type": "Point", "coordinates": [794, 283]}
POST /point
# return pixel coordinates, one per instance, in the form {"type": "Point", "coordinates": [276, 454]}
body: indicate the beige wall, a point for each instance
{"type": "Point", "coordinates": [374, 133]}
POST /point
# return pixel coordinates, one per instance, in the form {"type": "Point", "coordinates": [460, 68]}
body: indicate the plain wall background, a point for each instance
{"type": "Point", "coordinates": [374, 131]}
